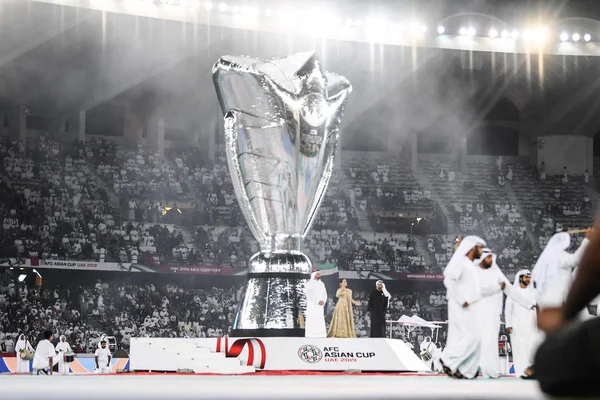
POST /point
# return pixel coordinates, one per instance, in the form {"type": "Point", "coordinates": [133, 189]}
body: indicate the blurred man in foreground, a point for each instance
{"type": "Point", "coordinates": [568, 362]}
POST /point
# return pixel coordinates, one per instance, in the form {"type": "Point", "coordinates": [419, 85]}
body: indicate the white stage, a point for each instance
{"type": "Point", "coordinates": [244, 355]}
{"type": "Point", "coordinates": [343, 387]}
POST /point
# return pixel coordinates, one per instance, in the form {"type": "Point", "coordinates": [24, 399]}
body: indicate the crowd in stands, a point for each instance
{"type": "Point", "coordinates": [124, 310]}
{"type": "Point", "coordinates": [106, 202]}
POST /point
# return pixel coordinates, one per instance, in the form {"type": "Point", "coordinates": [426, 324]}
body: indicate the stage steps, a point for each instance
{"type": "Point", "coordinates": [183, 355]}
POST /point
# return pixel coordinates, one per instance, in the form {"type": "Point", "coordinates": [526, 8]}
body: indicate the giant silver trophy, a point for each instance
{"type": "Point", "coordinates": [282, 121]}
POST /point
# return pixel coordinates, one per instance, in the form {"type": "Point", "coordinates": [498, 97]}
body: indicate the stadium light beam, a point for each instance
{"type": "Point", "coordinates": [463, 31]}
{"type": "Point", "coordinates": [223, 7]}
{"type": "Point", "coordinates": [541, 34]}
{"type": "Point", "coordinates": [587, 37]}
{"type": "Point", "coordinates": [514, 34]}
{"type": "Point", "coordinates": [505, 34]}
{"type": "Point", "coordinates": [471, 32]}
{"type": "Point", "coordinates": [208, 5]}
{"type": "Point", "coordinates": [441, 30]}
{"type": "Point", "coordinates": [493, 33]}
{"type": "Point", "coordinates": [564, 37]}
{"type": "Point", "coordinates": [576, 37]}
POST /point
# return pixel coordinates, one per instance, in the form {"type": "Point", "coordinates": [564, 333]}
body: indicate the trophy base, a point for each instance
{"type": "Point", "coordinates": [274, 300]}
{"type": "Point", "coordinates": [252, 333]}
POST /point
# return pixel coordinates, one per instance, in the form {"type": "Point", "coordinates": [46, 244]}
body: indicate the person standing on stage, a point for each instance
{"type": "Point", "coordinates": [316, 297]}
{"type": "Point", "coordinates": [521, 323]}
{"type": "Point", "coordinates": [102, 357]}
{"type": "Point", "coordinates": [378, 303]}
{"type": "Point", "coordinates": [22, 344]}
{"type": "Point", "coordinates": [63, 348]}
{"type": "Point", "coordinates": [342, 323]}
{"type": "Point", "coordinates": [460, 358]}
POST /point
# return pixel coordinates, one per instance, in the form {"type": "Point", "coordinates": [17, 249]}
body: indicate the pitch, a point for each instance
{"type": "Point", "coordinates": [263, 387]}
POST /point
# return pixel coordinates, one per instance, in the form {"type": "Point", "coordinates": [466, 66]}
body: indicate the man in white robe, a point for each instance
{"type": "Point", "coordinates": [493, 283]}
{"type": "Point", "coordinates": [521, 323]}
{"type": "Point", "coordinates": [63, 348]}
{"type": "Point", "coordinates": [316, 298]}
{"type": "Point", "coordinates": [460, 358]}
{"type": "Point", "coordinates": [22, 365]}
{"type": "Point", "coordinates": [552, 274]}
{"type": "Point", "coordinates": [430, 354]}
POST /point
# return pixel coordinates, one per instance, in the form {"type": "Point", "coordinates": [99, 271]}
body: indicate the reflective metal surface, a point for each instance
{"type": "Point", "coordinates": [274, 295]}
{"type": "Point", "coordinates": [282, 120]}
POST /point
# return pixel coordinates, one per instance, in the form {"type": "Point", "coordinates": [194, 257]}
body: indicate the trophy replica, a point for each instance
{"type": "Point", "coordinates": [282, 121]}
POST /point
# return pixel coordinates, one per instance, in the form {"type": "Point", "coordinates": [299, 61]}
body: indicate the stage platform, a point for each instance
{"type": "Point", "coordinates": [262, 386]}
{"type": "Point", "coordinates": [240, 355]}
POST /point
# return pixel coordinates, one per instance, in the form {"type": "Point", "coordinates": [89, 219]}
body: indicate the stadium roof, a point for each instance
{"type": "Point", "coordinates": [57, 59]}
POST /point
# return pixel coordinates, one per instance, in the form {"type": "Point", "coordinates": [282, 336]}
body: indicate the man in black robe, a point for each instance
{"type": "Point", "coordinates": [378, 302]}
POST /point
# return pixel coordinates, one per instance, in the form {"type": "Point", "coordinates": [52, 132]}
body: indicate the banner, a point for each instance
{"type": "Point", "coordinates": [329, 270]}
{"type": "Point", "coordinates": [419, 277]}
{"type": "Point", "coordinates": [200, 270]}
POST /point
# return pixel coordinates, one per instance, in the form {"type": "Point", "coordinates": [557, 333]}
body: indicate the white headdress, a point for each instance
{"type": "Point", "coordinates": [62, 337]}
{"type": "Point", "coordinates": [312, 276]}
{"type": "Point", "coordinates": [548, 264]}
{"type": "Point", "coordinates": [518, 276]}
{"type": "Point", "coordinates": [383, 289]}
{"type": "Point", "coordinates": [484, 254]}
{"type": "Point", "coordinates": [465, 246]}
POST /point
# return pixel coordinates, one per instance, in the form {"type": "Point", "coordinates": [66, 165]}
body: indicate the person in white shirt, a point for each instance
{"type": "Point", "coordinates": [62, 348]}
{"type": "Point", "coordinates": [102, 356]}
{"type": "Point", "coordinates": [22, 365]}
{"type": "Point", "coordinates": [45, 355]}
{"type": "Point", "coordinates": [9, 344]}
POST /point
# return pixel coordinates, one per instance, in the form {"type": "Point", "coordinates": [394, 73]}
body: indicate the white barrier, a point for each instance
{"type": "Point", "coordinates": [273, 354]}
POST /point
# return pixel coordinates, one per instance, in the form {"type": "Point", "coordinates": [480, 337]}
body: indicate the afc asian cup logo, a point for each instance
{"type": "Point", "coordinates": [310, 354]}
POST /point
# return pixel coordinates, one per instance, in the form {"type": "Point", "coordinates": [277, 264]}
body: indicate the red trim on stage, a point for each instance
{"type": "Point", "coordinates": [277, 373]}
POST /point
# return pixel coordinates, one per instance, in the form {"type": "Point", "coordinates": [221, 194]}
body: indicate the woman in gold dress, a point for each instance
{"type": "Point", "coordinates": [342, 323]}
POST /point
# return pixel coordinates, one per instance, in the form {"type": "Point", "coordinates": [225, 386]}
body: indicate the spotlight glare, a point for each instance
{"type": "Point", "coordinates": [471, 32]}
{"type": "Point", "coordinates": [493, 33]}
{"type": "Point", "coordinates": [587, 37]}
{"type": "Point", "coordinates": [541, 34]}
{"type": "Point", "coordinates": [223, 7]}
{"type": "Point", "coordinates": [423, 28]}
{"type": "Point", "coordinates": [527, 35]}
{"type": "Point", "coordinates": [576, 37]}
{"type": "Point", "coordinates": [208, 5]}
{"type": "Point", "coordinates": [505, 34]}
{"type": "Point", "coordinates": [564, 37]}
{"type": "Point", "coordinates": [441, 30]}
{"type": "Point", "coordinates": [463, 31]}
{"type": "Point", "coordinates": [514, 34]}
